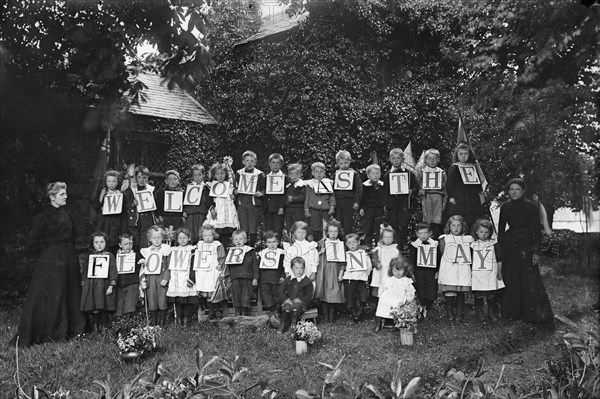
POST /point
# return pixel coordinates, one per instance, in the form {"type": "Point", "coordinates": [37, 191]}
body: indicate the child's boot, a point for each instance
{"type": "Point", "coordinates": [152, 317]}
{"type": "Point", "coordinates": [331, 313]}
{"type": "Point", "coordinates": [492, 303]}
{"type": "Point", "coordinates": [294, 317]}
{"type": "Point", "coordinates": [223, 311]}
{"type": "Point", "coordinates": [479, 308]}
{"type": "Point", "coordinates": [162, 318]}
{"type": "Point", "coordinates": [460, 306]}
{"type": "Point", "coordinates": [359, 312]}
{"type": "Point", "coordinates": [212, 314]}
{"type": "Point", "coordinates": [325, 312]}
{"type": "Point", "coordinates": [285, 322]}
{"type": "Point", "coordinates": [449, 306]}
{"type": "Point", "coordinates": [378, 324]}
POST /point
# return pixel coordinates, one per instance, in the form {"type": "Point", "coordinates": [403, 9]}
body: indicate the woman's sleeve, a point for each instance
{"type": "Point", "coordinates": [536, 228]}
{"type": "Point", "coordinates": [498, 252]}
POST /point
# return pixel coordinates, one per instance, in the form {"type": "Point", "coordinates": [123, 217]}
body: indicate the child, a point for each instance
{"type": "Point", "coordinates": [271, 273]}
{"type": "Point", "coordinates": [195, 215]}
{"type": "Point", "coordinates": [372, 204]}
{"type": "Point", "coordinates": [465, 199]}
{"type": "Point", "coordinates": [434, 199]}
{"type": "Point", "coordinates": [349, 192]}
{"type": "Point", "coordinates": [295, 194]}
{"type": "Point", "coordinates": [212, 267]}
{"type": "Point", "coordinates": [139, 222]}
{"type": "Point", "coordinates": [223, 215]}
{"type": "Point", "coordinates": [249, 205]}
{"type": "Point", "coordinates": [299, 246]}
{"type": "Point", "coordinates": [128, 281]}
{"type": "Point", "coordinates": [275, 203]}
{"type": "Point", "coordinates": [487, 269]}
{"type": "Point", "coordinates": [111, 225]}
{"type": "Point", "coordinates": [171, 220]}
{"type": "Point", "coordinates": [97, 294]}
{"type": "Point", "coordinates": [385, 251]}
{"type": "Point", "coordinates": [244, 275]}
{"type": "Point", "coordinates": [298, 291]}
{"type": "Point", "coordinates": [329, 288]}
{"type": "Point", "coordinates": [454, 277]}
{"type": "Point", "coordinates": [423, 255]}
{"type": "Point", "coordinates": [319, 204]}
{"type": "Point", "coordinates": [397, 290]}
{"type": "Point", "coordinates": [182, 292]}
{"type": "Point", "coordinates": [358, 268]}
{"type": "Point", "coordinates": [155, 275]}
{"type": "Point", "coordinates": [398, 205]}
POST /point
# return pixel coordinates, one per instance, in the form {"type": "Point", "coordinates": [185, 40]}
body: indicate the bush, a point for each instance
{"type": "Point", "coordinates": [561, 244]}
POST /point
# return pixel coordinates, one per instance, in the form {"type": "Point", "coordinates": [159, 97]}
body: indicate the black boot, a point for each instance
{"type": "Point", "coordinates": [223, 310]}
{"type": "Point", "coordinates": [178, 315]}
{"type": "Point", "coordinates": [492, 303]}
{"type": "Point", "coordinates": [449, 305]}
{"type": "Point", "coordinates": [479, 309]}
{"type": "Point", "coordinates": [162, 318]}
{"type": "Point", "coordinates": [378, 324]}
{"type": "Point", "coordinates": [152, 320]}
{"type": "Point", "coordinates": [460, 306]}
{"type": "Point", "coordinates": [359, 312]}
{"type": "Point", "coordinates": [325, 312]}
{"type": "Point", "coordinates": [294, 318]}
{"type": "Point", "coordinates": [331, 313]}
{"type": "Point", "coordinates": [285, 322]}
{"type": "Point", "coordinates": [212, 313]}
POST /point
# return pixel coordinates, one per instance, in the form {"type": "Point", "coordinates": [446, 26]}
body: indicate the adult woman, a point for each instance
{"type": "Point", "coordinates": [524, 296]}
{"type": "Point", "coordinates": [51, 311]}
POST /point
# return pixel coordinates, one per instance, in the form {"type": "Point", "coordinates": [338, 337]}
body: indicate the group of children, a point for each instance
{"type": "Point", "coordinates": [198, 245]}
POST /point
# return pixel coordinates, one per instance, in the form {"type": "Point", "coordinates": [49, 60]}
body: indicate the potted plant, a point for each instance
{"type": "Point", "coordinates": [405, 319]}
{"type": "Point", "coordinates": [305, 333]}
{"type": "Point", "coordinates": [134, 342]}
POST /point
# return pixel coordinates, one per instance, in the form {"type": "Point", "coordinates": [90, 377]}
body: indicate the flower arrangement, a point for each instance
{"type": "Point", "coordinates": [306, 331]}
{"type": "Point", "coordinates": [138, 339]}
{"type": "Point", "coordinates": [406, 315]}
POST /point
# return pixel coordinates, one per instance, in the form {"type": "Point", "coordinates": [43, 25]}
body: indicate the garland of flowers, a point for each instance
{"type": "Point", "coordinates": [306, 331]}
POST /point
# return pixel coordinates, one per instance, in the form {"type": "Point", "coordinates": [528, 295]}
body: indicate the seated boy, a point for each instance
{"type": "Point", "coordinates": [298, 291]}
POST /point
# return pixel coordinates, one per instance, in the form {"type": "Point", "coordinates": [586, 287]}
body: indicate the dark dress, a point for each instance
{"type": "Point", "coordinates": [51, 310]}
{"type": "Point", "coordinates": [524, 296]}
{"type": "Point", "coordinates": [112, 225]}
{"type": "Point", "coordinates": [468, 202]}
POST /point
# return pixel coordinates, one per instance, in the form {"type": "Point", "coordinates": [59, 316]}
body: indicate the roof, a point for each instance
{"type": "Point", "coordinates": [169, 104]}
{"type": "Point", "coordinates": [274, 30]}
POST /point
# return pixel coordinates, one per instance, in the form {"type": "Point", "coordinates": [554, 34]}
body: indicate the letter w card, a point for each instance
{"type": "Point", "coordinates": [334, 250]}
{"type": "Point", "coordinates": [269, 258]}
{"type": "Point", "coordinates": [180, 259]}
{"type": "Point", "coordinates": [113, 204]}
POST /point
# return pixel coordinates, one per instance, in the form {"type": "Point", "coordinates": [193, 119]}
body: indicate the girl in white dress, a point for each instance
{"type": "Point", "coordinates": [385, 251]}
{"type": "Point", "coordinates": [222, 215]}
{"type": "Point", "coordinates": [396, 290]}
{"type": "Point", "coordinates": [300, 246]}
{"type": "Point", "coordinates": [211, 266]}
{"type": "Point", "coordinates": [181, 289]}
{"type": "Point", "coordinates": [455, 266]}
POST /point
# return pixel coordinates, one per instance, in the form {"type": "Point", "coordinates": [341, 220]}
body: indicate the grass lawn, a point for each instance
{"type": "Point", "coordinates": [439, 346]}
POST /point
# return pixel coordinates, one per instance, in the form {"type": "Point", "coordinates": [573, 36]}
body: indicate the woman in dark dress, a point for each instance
{"type": "Point", "coordinates": [524, 296]}
{"type": "Point", "coordinates": [51, 311]}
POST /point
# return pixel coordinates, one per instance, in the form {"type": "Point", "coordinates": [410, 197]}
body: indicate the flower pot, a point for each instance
{"type": "Point", "coordinates": [301, 347]}
{"type": "Point", "coordinates": [406, 336]}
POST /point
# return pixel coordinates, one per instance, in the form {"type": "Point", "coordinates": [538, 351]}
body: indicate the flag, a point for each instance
{"type": "Point", "coordinates": [461, 137]}
{"type": "Point", "coordinates": [409, 160]}
{"type": "Point", "coordinates": [98, 174]}
{"type": "Point", "coordinates": [419, 167]}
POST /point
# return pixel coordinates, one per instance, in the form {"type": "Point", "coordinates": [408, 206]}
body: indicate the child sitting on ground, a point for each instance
{"type": "Point", "coordinates": [298, 291]}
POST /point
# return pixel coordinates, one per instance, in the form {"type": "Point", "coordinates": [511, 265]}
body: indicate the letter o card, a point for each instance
{"type": "Point", "coordinates": [98, 266]}
{"type": "Point", "coordinates": [145, 201]}
{"type": "Point", "coordinates": [219, 189]}
{"type": "Point", "coordinates": [126, 263]}
{"type": "Point", "coordinates": [275, 184]}
{"type": "Point", "coordinates": [269, 258]}
{"type": "Point", "coordinates": [153, 263]}
{"type": "Point", "coordinates": [173, 201]}
{"type": "Point", "coordinates": [334, 251]}
{"type": "Point", "coordinates": [180, 259]}
{"type": "Point", "coordinates": [469, 174]}
{"type": "Point", "coordinates": [112, 204]}
{"type": "Point", "coordinates": [344, 180]}
{"type": "Point", "coordinates": [356, 261]}
{"type": "Point", "coordinates": [193, 194]}
{"type": "Point", "coordinates": [399, 183]}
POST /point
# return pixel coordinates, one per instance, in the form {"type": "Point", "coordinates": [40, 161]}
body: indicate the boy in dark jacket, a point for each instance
{"type": "Point", "coordinates": [243, 272]}
{"type": "Point", "coordinates": [295, 194]}
{"type": "Point", "coordinates": [298, 291]}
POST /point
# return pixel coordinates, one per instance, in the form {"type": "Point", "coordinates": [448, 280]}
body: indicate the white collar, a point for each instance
{"type": "Point", "coordinates": [280, 173]}
{"type": "Point", "coordinates": [255, 171]}
{"type": "Point", "coordinates": [299, 278]}
{"type": "Point", "coordinates": [369, 183]}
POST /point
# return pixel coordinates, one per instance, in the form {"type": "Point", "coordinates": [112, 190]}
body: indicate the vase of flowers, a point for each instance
{"type": "Point", "coordinates": [405, 319]}
{"type": "Point", "coordinates": [134, 342]}
{"type": "Point", "coordinates": [305, 333]}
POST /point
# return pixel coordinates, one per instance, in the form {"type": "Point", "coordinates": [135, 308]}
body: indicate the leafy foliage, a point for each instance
{"type": "Point", "coordinates": [562, 244]}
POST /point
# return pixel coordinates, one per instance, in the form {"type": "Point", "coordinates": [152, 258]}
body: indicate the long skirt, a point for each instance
{"type": "Point", "coordinates": [525, 296]}
{"type": "Point", "coordinates": [51, 311]}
